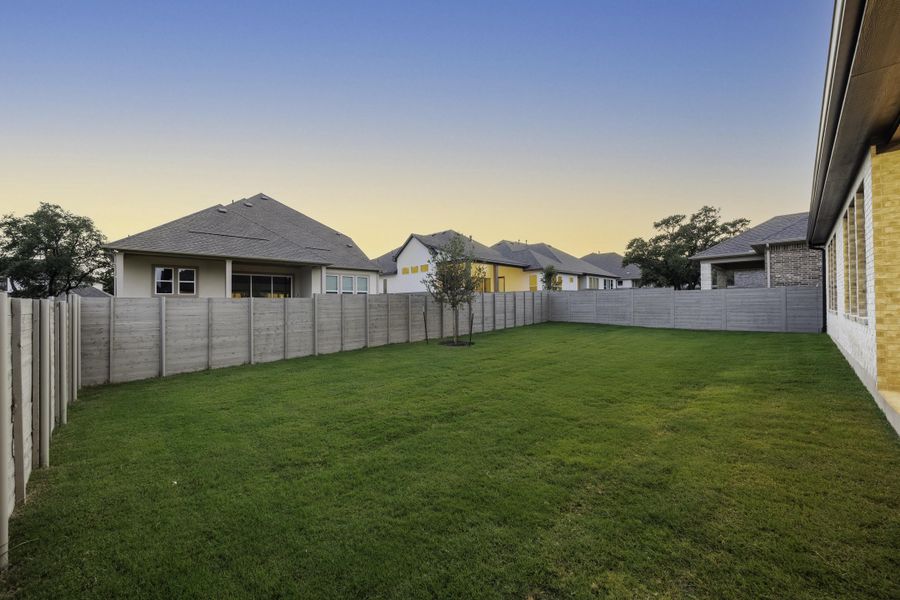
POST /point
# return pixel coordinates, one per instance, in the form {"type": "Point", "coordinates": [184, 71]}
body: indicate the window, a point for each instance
{"type": "Point", "coordinates": [405, 271]}
{"type": "Point", "coordinates": [425, 268]}
{"type": "Point", "coordinates": [331, 284]}
{"type": "Point", "coordinates": [854, 249]}
{"type": "Point", "coordinates": [571, 280]}
{"type": "Point", "coordinates": [415, 268]}
{"type": "Point", "coordinates": [244, 285]}
{"type": "Point", "coordinates": [484, 285]}
{"type": "Point", "coordinates": [532, 283]}
{"type": "Point", "coordinates": [608, 284]}
{"type": "Point", "coordinates": [168, 281]}
{"type": "Point", "coordinates": [362, 285]}
{"type": "Point", "coordinates": [831, 259]}
{"type": "Point", "coordinates": [347, 284]}
{"type": "Point", "coordinates": [165, 280]}
{"type": "Point", "coordinates": [593, 283]}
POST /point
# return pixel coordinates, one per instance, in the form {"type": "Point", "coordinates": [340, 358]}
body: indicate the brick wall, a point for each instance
{"type": "Point", "coordinates": [795, 264]}
{"type": "Point", "coordinates": [885, 235]}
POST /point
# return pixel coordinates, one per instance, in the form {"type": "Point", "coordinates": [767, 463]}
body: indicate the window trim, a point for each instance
{"type": "Point", "coordinates": [176, 270]}
{"type": "Point", "coordinates": [337, 284]}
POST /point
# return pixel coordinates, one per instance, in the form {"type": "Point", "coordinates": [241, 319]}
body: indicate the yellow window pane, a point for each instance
{"type": "Point", "coordinates": [406, 270]}
{"type": "Point", "coordinates": [415, 269]}
{"type": "Point", "coordinates": [424, 268]}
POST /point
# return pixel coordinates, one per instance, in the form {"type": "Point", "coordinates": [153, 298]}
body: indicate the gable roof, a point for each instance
{"type": "Point", "coordinates": [539, 256]}
{"type": "Point", "coordinates": [480, 252]}
{"type": "Point", "coordinates": [777, 230]}
{"type": "Point", "coordinates": [387, 263]}
{"type": "Point", "coordinates": [256, 228]}
{"type": "Point", "coordinates": [89, 291]}
{"type": "Point", "coordinates": [612, 262]}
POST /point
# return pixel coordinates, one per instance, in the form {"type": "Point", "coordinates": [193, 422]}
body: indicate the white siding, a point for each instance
{"type": "Point", "coordinates": [415, 254]}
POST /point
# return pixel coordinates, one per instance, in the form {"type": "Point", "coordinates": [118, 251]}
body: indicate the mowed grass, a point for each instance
{"type": "Point", "coordinates": [558, 460]}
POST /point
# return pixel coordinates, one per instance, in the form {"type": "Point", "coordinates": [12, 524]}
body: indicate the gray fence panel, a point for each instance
{"type": "Point", "coordinates": [613, 307]}
{"type": "Point", "coordinates": [417, 317]}
{"type": "Point", "coordinates": [187, 335]}
{"type": "Point", "coordinates": [755, 310]}
{"type": "Point", "coordinates": [582, 306]}
{"type": "Point", "coordinates": [300, 327]}
{"type": "Point", "coordinates": [94, 341]}
{"type": "Point", "coordinates": [268, 329]}
{"type": "Point", "coordinates": [354, 321]}
{"type": "Point", "coordinates": [700, 309]}
{"type": "Point", "coordinates": [399, 317]}
{"type": "Point", "coordinates": [230, 332]}
{"type": "Point", "coordinates": [804, 309]}
{"type": "Point", "coordinates": [328, 317]}
{"type": "Point", "coordinates": [22, 369]}
{"type": "Point", "coordinates": [654, 308]}
{"type": "Point", "coordinates": [136, 343]}
{"type": "Point", "coordinates": [378, 320]}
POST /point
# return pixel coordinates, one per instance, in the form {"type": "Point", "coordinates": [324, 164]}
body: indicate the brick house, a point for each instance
{"type": "Point", "coordinates": [854, 215]}
{"type": "Point", "coordinates": [772, 254]}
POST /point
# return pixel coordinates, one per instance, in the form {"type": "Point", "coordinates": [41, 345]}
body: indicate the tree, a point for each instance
{"type": "Point", "coordinates": [664, 259]}
{"type": "Point", "coordinates": [550, 279]}
{"type": "Point", "coordinates": [455, 279]}
{"type": "Point", "coordinates": [51, 251]}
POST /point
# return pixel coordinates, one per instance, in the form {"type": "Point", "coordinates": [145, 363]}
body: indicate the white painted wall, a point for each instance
{"type": "Point", "coordinates": [415, 254]}
{"type": "Point", "coordinates": [705, 275]}
{"type": "Point", "coordinates": [857, 338]}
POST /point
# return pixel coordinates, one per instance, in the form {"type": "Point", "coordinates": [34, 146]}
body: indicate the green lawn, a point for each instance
{"type": "Point", "coordinates": [550, 461]}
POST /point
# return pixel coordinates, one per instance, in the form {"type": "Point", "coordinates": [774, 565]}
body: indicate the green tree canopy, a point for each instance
{"type": "Point", "coordinates": [664, 259]}
{"type": "Point", "coordinates": [455, 279]}
{"type": "Point", "coordinates": [51, 251]}
{"type": "Point", "coordinates": [550, 279]}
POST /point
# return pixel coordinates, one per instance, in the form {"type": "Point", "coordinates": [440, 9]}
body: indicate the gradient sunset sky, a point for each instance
{"type": "Point", "coordinates": [573, 123]}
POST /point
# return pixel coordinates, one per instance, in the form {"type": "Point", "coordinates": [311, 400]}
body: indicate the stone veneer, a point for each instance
{"type": "Point", "coordinates": [794, 264]}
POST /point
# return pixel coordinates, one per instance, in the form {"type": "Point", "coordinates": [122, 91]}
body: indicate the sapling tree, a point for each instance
{"type": "Point", "coordinates": [455, 279]}
{"type": "Point", "coordinates": [550, 279]}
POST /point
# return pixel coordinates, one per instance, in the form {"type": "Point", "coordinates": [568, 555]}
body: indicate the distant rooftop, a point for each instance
{"type": "Point", "coordinates": [777, 230]}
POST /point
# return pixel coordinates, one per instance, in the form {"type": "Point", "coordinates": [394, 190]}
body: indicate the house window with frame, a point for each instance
{"type": "Point", "coordinates": [171, 281]}
{"type": "Point", "coordinates": [853, 224]}
{"type": "Point", "coordinates": [608, 284]}
{"type": "Point", "coordinates": [347, 284]}
{"type": "Point", "coordinates": [245, 285]}
{"type": "Point", "coordinates": [362, 285]}
{"type": "Point", "coordinates": [831, 258]}
{"type": "Point", "coordinates": [331, 284]}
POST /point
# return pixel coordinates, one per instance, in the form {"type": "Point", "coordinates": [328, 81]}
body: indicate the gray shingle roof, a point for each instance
{"type": "Point", "coordinates": [387, 262]}
{"type": "Point", "coordinates": [777, 230]}
{"type": "Point", "coordinates": [479, 251]}
{"type": "Point", "coordinates": [612, 262]}
{"type": "Point", "coordinates": [538, 256]}
{"type": "Point", "coordinates": [256, 228]}
{"type": "Point", "coordinates": [89, 291]}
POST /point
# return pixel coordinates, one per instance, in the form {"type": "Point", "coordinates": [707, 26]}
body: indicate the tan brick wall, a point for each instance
{"type": "Point", "coordinates": [886, 238]}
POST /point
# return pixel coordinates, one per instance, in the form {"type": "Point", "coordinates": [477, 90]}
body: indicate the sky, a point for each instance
{"type": "Point", "coordinates": [572, 123]}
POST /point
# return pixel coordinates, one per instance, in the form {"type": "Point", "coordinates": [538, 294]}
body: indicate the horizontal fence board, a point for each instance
{"type": "Point", "coordinates": [230, 344]}
{"type": "Point", "coordinates": [378, 330]}
{"type": "Point", "coordinates": [187, 335]}
{"type": "Point", "coordinates": [700, 309]}
{"type": "Point", "coordinates": [268, 329]}
{"type": "Point", "coordinates": [94, 340]}
{"type": "Point", "coordinates": [300, 340]}
{"type": "Point", "coordinates": [354, 322]}
{"type": "Point", "coordinates": [328, 317]}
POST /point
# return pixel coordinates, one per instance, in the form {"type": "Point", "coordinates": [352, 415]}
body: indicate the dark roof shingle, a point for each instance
{"type": "Point", "coordinates": [539, 256]}
{"type": "Point", "coordinates": [612, 262]}
{"type": "Point", "coordinates": [777, 230]}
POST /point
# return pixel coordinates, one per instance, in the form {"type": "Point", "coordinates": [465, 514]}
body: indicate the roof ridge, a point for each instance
{"type": "Point", "coordinates": [275, 233]}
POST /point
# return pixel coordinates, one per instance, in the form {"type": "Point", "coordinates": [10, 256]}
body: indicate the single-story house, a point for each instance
{"type": "Point", "coordinates": [628, 276]}
{"type": "Point", "coordinates": [574, 273]}
{"type": "Point", "coordinates": [90, 291]}
{"type": "Point", "coordinates": [854, 215]}
{"type": "Point", "coordinates": [403, 269]}
{"type": "Point", "coordinates": [772, 254]}
{"type": "Point", "coordinates": [256, 247]}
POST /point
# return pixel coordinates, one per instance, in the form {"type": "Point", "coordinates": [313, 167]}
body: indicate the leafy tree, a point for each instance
{"type": "Point", "coordinates": [550, 279]}
{"type": "Point", "coordinates": [664, 259]}
{"type": "Point", "coordinates": [455, 280]}
{"type": "Point", "coordinates": [51, 251]}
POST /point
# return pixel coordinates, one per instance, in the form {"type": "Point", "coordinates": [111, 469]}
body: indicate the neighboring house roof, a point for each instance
{"type": "Point", "coordinates": [777, 230]}
{"type": "Point", "coordinates": [480, 252]}
{"type": "Point", "coordinates": [255, 228]}
{"type": "Point", "coordinates": [859, 104]}
{"type": "Point", "coordinates": [89, 291]}
{"type": "Point", "coordinates": [387, 263]}
{"type": "Point", "coordinates": [612, 262]}
{"type": "Point", "coordinates": [539, 256]}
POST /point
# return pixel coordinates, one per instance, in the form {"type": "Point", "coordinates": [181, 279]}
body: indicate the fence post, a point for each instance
{"type": "Point", "coordinates": [162, 336]}
{"type": "Point", "coordinates": [284, 321]}
{"type": "Point", "coordinates": [341, 319]}
{"type": "Point", "coordinates": [5, 418]}
{"type": "Point", "coordinates": [63, 346]}
{"type": "Point", "coordinates": [367, 320]}
{"type": "Point", "coordinates": [45, 383]}
{"type": "Point", "coordinates": [388, 319]}
{"type": "Point", "coordinates": [494, 301]}
{"type": "Point", "coordinates": [408, 318]}
{"type": "Point", "coordinates": [18, 397]}
{"type": "Point", "coordinates": [785, 304]}
{"type": "Point", "coordinates": [209, 333]}
{"type": "Point", "coordinates": [250, 328]}
{"type": "Point", "coordinates": [315, 324]}
{"type": "Point", "coordinates": [632, 306]}
{"type": "Point", "coordinates": [35, 383]}
{"type": "Point", "coordinates": [725, 309]}
{"type": "Point", "coordinates": [112, 335]}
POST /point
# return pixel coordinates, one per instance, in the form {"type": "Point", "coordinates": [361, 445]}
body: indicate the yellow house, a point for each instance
{"type": "Point", "coordinates": [855, 207]}
{"type": "Point", "coordinates": [403, 269]}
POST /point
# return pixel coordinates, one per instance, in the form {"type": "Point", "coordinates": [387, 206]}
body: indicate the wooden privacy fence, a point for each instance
{"type": "Point", "coordinates": [39, 367]}
{"type": "Point", "coordinates": [125, 339]}
{"type": "Point", "coordinates": [792, 309]}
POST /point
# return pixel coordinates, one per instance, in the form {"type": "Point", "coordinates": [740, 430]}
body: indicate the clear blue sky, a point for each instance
{"type": "Point", "coordinates": [575, 123]}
